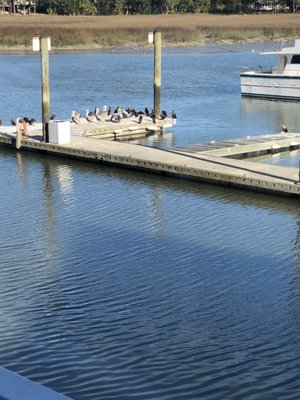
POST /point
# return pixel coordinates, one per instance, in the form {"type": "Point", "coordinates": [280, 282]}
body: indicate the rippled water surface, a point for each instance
{"type": "Point", "coordinates": [122, 285]}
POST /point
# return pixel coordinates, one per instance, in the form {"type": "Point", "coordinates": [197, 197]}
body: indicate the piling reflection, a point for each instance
{"type": "Point", "coordinates": [22, 171]}
{"type": "Point", "coordinates": [156, 209]}
{"type": "Point", "coordinates": [65, 181]}
{"type": "Point", "coordinates": [51, 245]}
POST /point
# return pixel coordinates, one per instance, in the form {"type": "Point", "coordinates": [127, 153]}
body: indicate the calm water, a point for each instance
{"type": "Point", "coordinates": [124, 285]}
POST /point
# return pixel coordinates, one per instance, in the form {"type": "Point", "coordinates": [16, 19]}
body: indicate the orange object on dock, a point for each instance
{"type": "Point", "coordinates": [25, 130]}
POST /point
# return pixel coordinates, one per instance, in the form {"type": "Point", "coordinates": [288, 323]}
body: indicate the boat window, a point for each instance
{"type": "Point", "coordinates": [295, 59]}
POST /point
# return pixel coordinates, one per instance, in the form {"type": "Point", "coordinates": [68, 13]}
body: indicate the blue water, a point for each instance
{"type": "Point", "coordinates": [122, 285]}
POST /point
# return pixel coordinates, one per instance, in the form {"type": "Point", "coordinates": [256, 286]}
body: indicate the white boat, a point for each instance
{"type": "Point", "coordinates": [282, 81]}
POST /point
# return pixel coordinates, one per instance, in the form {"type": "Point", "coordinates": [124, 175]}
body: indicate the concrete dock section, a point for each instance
{"type": "Point", "coordinates": [180, 163]}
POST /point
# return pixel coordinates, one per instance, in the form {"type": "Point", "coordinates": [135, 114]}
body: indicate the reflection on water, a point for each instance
{"type": "Point", "coordinates": [117, 284]}
{"type": "Point", "coordinates": [263, 111]}
{"type": "Point", "coordinates": [143, 280]}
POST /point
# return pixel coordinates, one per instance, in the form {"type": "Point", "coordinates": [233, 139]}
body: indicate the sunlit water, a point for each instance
{"type": "Point", "coordinates": [122, 285]}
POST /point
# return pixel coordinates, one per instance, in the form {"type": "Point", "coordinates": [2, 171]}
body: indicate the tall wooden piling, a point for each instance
{"type": "Point", "coordinates": [157, 71]}
{"type": "Point", "coordinates": [18, 134]}
{"type": "Point", "coordinates": [44, 46]}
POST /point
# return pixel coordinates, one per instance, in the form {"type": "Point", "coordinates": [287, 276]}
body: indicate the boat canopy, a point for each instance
{"type": "Point", "coordinates": [285, 50]}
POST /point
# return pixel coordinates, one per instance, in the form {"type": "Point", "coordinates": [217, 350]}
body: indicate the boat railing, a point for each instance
{"type": "Point", "coordinates": [262, 69]}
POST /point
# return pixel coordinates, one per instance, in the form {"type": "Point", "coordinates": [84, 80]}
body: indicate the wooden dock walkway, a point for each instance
{"type": "Point", "coordinates": [192, 162]}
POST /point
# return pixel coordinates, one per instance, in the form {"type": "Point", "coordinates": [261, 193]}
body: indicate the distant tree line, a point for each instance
{"type": "Point", "coordinates": [119, 7]}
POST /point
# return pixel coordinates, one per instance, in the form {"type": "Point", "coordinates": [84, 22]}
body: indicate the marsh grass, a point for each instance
{"type": "Point", "coordinates": [118, 31]}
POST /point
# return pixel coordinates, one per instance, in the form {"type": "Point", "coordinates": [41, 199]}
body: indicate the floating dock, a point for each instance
{"type": "Point", "coordinates": [250, 146]}
{"type": "Point", "coordinates": [214, 163]}
{"type": "Point", "coordinates": [127, 129]}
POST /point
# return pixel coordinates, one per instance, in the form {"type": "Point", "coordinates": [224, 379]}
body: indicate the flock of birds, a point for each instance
{"type": "Point", "coordinates": [117, 115]}
{"type": "Point", "coordinates": [105, 115]}
{"type": "Point", "coordinates": [29, 121]}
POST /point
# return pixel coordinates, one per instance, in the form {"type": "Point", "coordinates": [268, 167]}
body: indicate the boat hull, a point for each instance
{"type": "Point", "coordinates": [270, 85]}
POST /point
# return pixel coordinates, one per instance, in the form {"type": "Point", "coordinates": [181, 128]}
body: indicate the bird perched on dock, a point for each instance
{"type": "Point", "coordinates": [30, 121]}
{"type": "Point", "coordinates": [12, 121]}
{"type": "Point", "coordinates": [89, 116]}
{"type": "Point", "coordinates": [77, 114]}
{"type": "Point", "coordinates": [174, 116]}
{"type": "Point", "coordinates": [131, 111]}
{"type": "Point", "coordinates": [284, 129]}
{"type": "Point", "coordinates": [52, 116]}
{"type": "Point", "coordinates": [116, 117]}
{"type": "Point", "coordinates": [75, 118]}
{"type": "Point", "coordinates": [153, 117]}
{"type": "Point", "coordinates": [97, 114]}
{"type": "Point", "coordinates": [141, 118]}
{"type": "Point", "coordinates": [147, 112]}
{"type": "Point", "coordinates": [163, 114]}
{"type": "Point", "coordinates": [125, 114]}
{"type": "Point", "coordinates": [118, 110]}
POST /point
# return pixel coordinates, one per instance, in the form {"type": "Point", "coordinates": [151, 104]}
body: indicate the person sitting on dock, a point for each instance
{"type": "Point", "coordinates": [24, 126]}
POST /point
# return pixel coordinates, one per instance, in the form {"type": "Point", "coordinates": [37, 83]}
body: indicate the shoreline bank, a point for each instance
{"type": "Point", "coordinates": [75, 34]}
{"type": "Point", "coordinates": [168, 48]}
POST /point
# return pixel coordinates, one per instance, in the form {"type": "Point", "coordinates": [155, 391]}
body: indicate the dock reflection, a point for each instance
{"type": "Point", "coordinates": [61, 171]}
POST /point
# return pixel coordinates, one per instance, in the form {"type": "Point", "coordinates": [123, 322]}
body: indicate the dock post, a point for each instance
{"type": "Point", "coordinates": [157, 71]}
{"type": "Point", "coordinates": [18, 134]}
{"type": "Point", "coordinates": [44, 45]}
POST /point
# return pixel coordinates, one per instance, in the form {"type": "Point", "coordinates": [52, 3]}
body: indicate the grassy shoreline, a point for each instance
{"type": "Point", "coordinates": [79, 33]}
